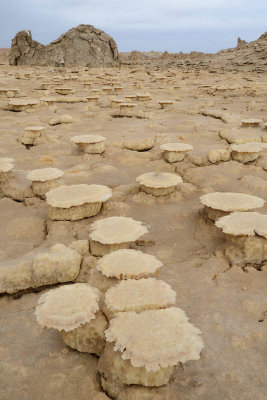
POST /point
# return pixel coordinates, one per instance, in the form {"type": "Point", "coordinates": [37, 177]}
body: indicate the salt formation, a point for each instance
{"type": "Point", "coordinates": [83, 45]}
{"type": "Point", "coordinates": [5, 171]}
{"type": "Point", "coordinates": [219, 204]}
{"type": "Point", "coordinates": [59, 264]}
{"type": "Point", "coordinates": [63, 90]}
{"type": "Point", "coordinates": [246, 237]}
{"type": "Point", "coordinates": [247, 152]}
{"type": "Point", "coordinates": [44, 179]}
{"type": "Point", "coordinates": [218, 155]}
{"type": "Point", "coordinates": [91, 144]}
{"type": "Point", "coordinates": [165, 103]}
{"type": "Point", "coordinates": [147, 346]}
{"type": "Point", "coordinates": [251, 122]}
{"type": "Point", "coordinates": [138, 295]}
{"type": "Point", "coordinates": [174, 152]}
{"type": "Point", "coordinates": [31, 133]}
{"type": "Point", "coordinates": [128, 264]}
{"type": "Point", "coordinates": [76, 202]}
{"type": "Point", "coordinates": [74, 311]}
{"type": "Point", "coordinates": [114, 233]}
{"type": "Point", "coordinates": [19, 105]}
{"type": "Point", "coordinates": [158, 183]}
{"type": "Point", "coordinates": [122, 264]}
{"type": "Point", "coordinates": [139, 145]}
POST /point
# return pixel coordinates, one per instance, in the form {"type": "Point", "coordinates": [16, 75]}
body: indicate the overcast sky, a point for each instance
{"type": "Point", "coordinates": [172, 25]}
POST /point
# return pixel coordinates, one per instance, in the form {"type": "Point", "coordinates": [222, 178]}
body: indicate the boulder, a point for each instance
{"type": "Point", "coordinates": [80, 46]}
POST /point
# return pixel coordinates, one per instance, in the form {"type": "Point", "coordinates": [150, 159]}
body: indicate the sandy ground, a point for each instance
{"type": "Point", "coordinates": [226, 302]}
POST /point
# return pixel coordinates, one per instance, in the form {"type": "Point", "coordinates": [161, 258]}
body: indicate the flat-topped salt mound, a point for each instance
{"type": "Point", "coordinates": [115, 230]}
{"type": "Point", "coordinates": [76, 195]}
{"type": "Point", "coordinates": [67, 307]}
{"type": "Point", "coordinates": [139, 295]}
{"type": "Point", "coordinates": [155, 338]}
{"type": "Point", "coordinates": [179, 147]}
{"type": "Point", "coordinates": [159, 180]}
{"type": "Point", "coordinates": [128, 263]}
{"type": "Point", "coordinates": [250, 147]}
{"type": "Point", "coordinates": [6, 167]}
{"type": "Point", "coordinates": [6, 160]}
{"type": "Point", "coordinates": [87, 139]}
{"type": "Point", "coordinates": [34, 129]}
{"type": "Point", "coordinates": [44, 174]}
{"type": "Point", "coordinates": [229, 202]}
{"type": "Point", "coordinates": [244, 224]}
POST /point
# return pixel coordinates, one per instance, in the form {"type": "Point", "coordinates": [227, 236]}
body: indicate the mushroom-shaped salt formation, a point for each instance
{"type": "Point", "coordinates": [31, 133]}
{"type": "Point", "coordinates": [127, 106]}
{"type": "Point", "coordinates": [246, 237]}
{"type": "Point", "coordinates": [122, 264]}
{"type": "Point", "coordinates": [92, 99]}
{"type": "Point", "coordinates": [76, 202]}
{"type": "Point", "coordinates": [165, 103]}
{"type": "Point", "coordinates": [174, 152]}
{"type": "Point", "coordinates": [114, 233]}
{"type": "Point", "coordinates": [251, 122]}
{"type": "Point", "coordinates": [63, 90]}
{"type": "Point", "coordinates": [107, 89]}
{"type": "Point", "coordinates": [5, 171]}
{"type": "Point", "coordinates": [73, 310]}
{"type": "Point", "coordinates": [147, 346]}
{"type": "Point", "coordinates": [247, 152]}
{"type": "Point", "coordinates": [91, 144]}
{"type": "Point", "coordinates": [219, 204]}
{"type": "Point", "coordinates": [128, 264]}
{"type": "Point", "coordinates": [143, 96]}
{"type": "Point", "coordinates": [158, 183]}
{"type": "Point", "coordinates": [10, 93]}
{"type": "Point", "coordinates": [138, 295]}
{"type": "Point", "coordinates": [22, 104]}
{"type": "Point", "coordinates": [44, 179]}
{"type": "Point", "coordinates": [118, 89]}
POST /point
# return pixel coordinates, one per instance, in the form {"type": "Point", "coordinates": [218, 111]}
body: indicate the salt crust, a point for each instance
{"type": "Point", "coordinates": [128, 263]}
{"type": "Point", "coordinates": [115, 230]}
{"type": "Point", "coordinates": [76, 195]}
{"type": "Point", "coordinates": [155, 338]}
{"type": "Point", "coordinates": [67, 307]}
{"type": "Point", "coordinates": [250, 147]}
{"type": "Point", "coordinates": [6, 167]}
{"type": "Point", "coordinates": [44, 174]}
{"type": "Point", "coordinates": [244, 224]}
{"type": "Point", "coordinates": [87, 139]}
{"type": "Point", "coordinates": [34, 129]}
{"type": "Point", "coordinates": [159, 179]}
{"type": "Point", "coordinates": [227, 201]}
{"type": "Point", "coordinates": [6, 160]}
{"type": "Point", "coordinates": [179, 147]}
{"type": "Point", "coordinates": [139, 295]}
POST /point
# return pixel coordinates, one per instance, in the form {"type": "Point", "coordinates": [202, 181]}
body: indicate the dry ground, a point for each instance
{"type": "Point", "coordinates": [226, 302]}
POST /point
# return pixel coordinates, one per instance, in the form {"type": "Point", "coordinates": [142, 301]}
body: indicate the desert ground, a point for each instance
{"type": "Point", "coordinates": [225, 300]}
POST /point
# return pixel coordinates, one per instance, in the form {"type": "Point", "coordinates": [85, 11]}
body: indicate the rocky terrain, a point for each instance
{"type": "Point", "coordinates": [246, 56]}
{"type": "Point", "coordinates": [83, 45]}
{"type": "Point", "coordinates": [200, 100]}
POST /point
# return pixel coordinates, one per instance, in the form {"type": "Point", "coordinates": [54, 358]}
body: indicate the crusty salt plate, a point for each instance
{"type": "Point", "coordinates": [244, 224]}
{"type": "Point", "coordinates": [139, 295]}
{"type": "Point", "coordinates": [128, 263]}
{"type": "Point", "coordinates": [155, 338]}
{"type": "Point", "coordinates": [228, 201]}
{"type": "Point", "coordinates": [67, 307]}
{"type": "Point", "coordinates": [115, 230]}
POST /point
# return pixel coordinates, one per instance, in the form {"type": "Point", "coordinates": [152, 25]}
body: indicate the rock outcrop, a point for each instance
{"type": "Point", "coordinates": [80, 46]}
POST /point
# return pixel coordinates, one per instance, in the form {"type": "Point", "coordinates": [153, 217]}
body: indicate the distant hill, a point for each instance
{"type": "Point", "coordinates": [246, 56]}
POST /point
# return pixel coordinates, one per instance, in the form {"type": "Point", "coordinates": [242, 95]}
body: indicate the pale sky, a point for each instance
{"type": "Point", "coordinates": [172, 25]}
